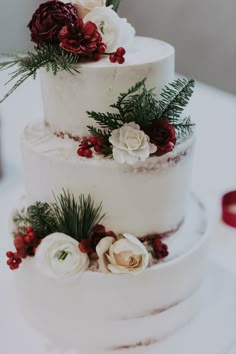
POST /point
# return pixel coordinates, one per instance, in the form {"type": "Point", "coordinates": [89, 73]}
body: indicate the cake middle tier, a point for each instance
{"type": "Point", "coordinates": [68, 97]}
{"type": "Point", "coordinates": [148, 197]}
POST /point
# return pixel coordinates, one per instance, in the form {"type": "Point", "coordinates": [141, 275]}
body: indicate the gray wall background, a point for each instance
{"type": "Point", "coordinates": [202, 31]}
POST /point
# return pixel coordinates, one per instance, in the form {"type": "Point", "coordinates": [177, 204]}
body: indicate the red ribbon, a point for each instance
{"type": "Point", "coordinates": [229, 208]}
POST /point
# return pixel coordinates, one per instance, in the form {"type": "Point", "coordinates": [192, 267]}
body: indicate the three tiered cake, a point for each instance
{"type": "Point", "coordinates": [110, 244]}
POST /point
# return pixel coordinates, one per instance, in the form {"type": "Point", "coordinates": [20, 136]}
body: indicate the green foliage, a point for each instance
{"type": "Point", "coordinates": [66, 215]}
{"type": "Point", "coordinates": [76, 219]}
{"type": "Point", "coordinates": [42, 219]}
{"type": "Point", "coordinates": [175, 98]}
{"type": "Point", "coordinates": [50, 57]}
{"type": "Point", "coordinates": [115, 4]}
{"type": "Point", "coordinates": [140, 105]}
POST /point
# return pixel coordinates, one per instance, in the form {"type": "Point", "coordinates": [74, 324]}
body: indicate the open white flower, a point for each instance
{"type": "Point", "coordinates": [127, 255]}
{"type": "Point", "coordinates": [130, 144]}
{"type": "Point", "coordinates": [115, 31]}
{"type": "Point", "coordinates": [83, 7]}
{"type": "Point", "coordinates": [58, 256]}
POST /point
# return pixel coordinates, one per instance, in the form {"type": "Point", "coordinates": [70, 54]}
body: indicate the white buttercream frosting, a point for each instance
{"type": "Point", "coordinates": [68, 97]}
{"type": "Point", "coordinates": [147, 197]}
{"type": "Point", "coordinates": [118, 309]}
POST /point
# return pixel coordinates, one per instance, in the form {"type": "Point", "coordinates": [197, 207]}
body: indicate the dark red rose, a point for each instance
{"type": "Point", "coordinates": [160, 249]}
{"type": "Point", "coordinates": [20, 245]}
{"type": "Point", "coordinates": [49, 19]}
{"type": "Point", "coordinates": [163, 135]}
{"type": "Point", "coordinates": [80, 38]}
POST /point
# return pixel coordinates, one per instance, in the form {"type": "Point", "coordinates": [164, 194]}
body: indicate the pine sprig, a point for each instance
{"type": "Point", "coordinates": [183, 127]}
{"type": "Point", "coordinates": [140, 105]}
{"type": "Point", "coordinates": [114, 3]}
{"type": "Point", "coordinates": [48, 56]}
{"type": "Point", "coordinates": [107, 120]}
{"type": "Point", "coordinates": [76, 219]}
{"type": "Point", "coordinates": [42, 219]}
{"type": "Point", "coordinates": [175, 98]}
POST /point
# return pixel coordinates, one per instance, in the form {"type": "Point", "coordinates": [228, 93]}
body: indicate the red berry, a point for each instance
{"type": "Point", "coordinates": [10, 261]}
{"type": "Point", "coordinates": [84, 144]}
{"type": "Point", "coordinates": [29, 229]}
{"type": "Point", "coordinates": [97, 148]}
{"type": "Point", "coordinates": [88, 153]}
{"type": "Point", "coordinates": [113, 58]}
{"type": "Point", "coordinates": [102, 48]}
{"type": "Point", "coordinates": [9, 254]}
{"type": "Point", "coordinates": [121, 51]}
{"type": "Point", "coordinates": [32, 235]}
{"type": "Point", "coordinates": [34, 249]}
{"type": "Point", "coordinates": [27, 239]}
{"type": "Point", "coordinates": [97, 56]}
{"type": "Point", "coordinates": [120, 60]}
{"type": "Point", "coordinates": [100, 141]}
{"type": "Point", "coordinates": [80, 152]}
{"type": "Point", "coordinates": [93, 139]}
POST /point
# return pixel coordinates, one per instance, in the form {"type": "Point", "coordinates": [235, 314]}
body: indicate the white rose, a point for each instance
{"type": "Point", "coordinates": [130, 144]}
{"type": "Point", "coordinates": [58, 256]}
{"type": "Point", "coordinates": [115, 31]}
{"type": "Point", "coordinates": [83, 7]}
{"type": "Point", "coordinates": [127, 255]}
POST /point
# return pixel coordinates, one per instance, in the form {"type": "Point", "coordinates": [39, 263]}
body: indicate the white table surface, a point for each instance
{"type": "Point", "coordinates": [214, 173]}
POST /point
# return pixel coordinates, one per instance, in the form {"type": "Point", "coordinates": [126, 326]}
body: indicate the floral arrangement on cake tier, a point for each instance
{"type": "Point", "coordinates": [66, 33]}
{"type": "Point", "coordinates": [142, 126]}
{"type": "Point", "coordinates": [66, 237]}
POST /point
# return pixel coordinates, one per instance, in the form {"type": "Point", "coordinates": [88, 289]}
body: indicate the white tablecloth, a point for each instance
{"type": "Point", "coordinates": [214, 173]}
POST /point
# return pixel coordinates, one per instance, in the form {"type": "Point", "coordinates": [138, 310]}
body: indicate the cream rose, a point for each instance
{"type": "Point", "coordinates": [127, 255]}
{"type": "Point", "coordinates": [115, 31]}
{"type": "Point", "coordinates": [130, 144]}
{"type": "Point", "coordinates": [58, 256]}
{"type": "Point", "coordinates": [83, 7]}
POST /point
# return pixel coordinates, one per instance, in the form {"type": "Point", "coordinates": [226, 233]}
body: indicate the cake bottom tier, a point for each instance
{"type": "Point", "coordinates": [107, 313]}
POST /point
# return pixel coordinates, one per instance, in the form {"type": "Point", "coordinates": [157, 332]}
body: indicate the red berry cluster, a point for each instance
{"type": "Point", "coordinates": [118, 56]}
{"type": "Point", "coordinates": [86, 145]}
{"type": "Point", "coordinates": [89, 245]}
{"type": "Point", "coordinates": [25, 245]}
{"type": "Point", "coordinates": [160, 248]}
{"type": "Point", "coordinates": [100, 50]}
{"type": "Point", "coordinates": [14, 260]}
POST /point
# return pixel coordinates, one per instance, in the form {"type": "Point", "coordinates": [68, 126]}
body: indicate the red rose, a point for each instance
{"type": "Point", "coordinates": [160, 249]}
{"type": "Point", "coordinates": [80, 38]}
{"type": "Point", "coordinates": [49, 19]}
{"type": "Point", "coordinates": [20, 245]}
{"type": "Point", "coordinates": [163, 135]}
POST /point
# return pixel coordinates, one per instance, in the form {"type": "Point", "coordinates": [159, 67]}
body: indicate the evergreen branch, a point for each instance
{"type": "Point", "coordinates": [48, 56]}
{"type": "Point", "coordinates": [42, 219]}
{"type": "Point", "coordinates": [114, 3]}
{"type": "Point", "coordinates": [183, 127]}
{"type": "Point", "coordinates": [76, 219]}
{"type": "Point", "coordinates": [107, 120]}
{"type": "Point", "coordinates": [175, 98]}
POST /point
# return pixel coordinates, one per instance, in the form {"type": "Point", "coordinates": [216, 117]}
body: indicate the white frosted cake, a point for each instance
{"type": "Point", "coordinates": [110, 245]}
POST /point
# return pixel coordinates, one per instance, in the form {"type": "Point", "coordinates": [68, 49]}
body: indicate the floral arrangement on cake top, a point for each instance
{"type": "Point", "coordinates": [66, 238]}
{"type": "Point", "coordinates": [67, 33]}
{"type": "Point", "coordinates": [142, 126]}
